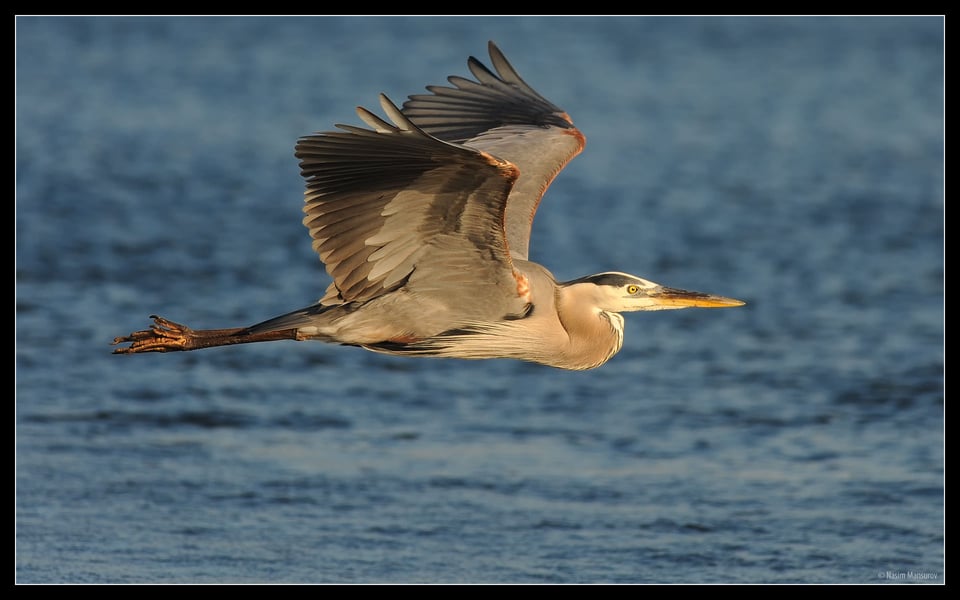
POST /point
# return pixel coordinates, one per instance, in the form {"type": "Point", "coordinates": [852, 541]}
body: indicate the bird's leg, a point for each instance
{"type": "Point", "coordinates": [167, 336]}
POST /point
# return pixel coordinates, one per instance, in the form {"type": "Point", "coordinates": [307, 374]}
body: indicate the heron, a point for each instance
{"type": "Point", "coordinates": [423, 224]}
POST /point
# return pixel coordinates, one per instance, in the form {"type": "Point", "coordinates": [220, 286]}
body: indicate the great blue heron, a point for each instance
{"type": "Point", "coordinates": [424, 226]}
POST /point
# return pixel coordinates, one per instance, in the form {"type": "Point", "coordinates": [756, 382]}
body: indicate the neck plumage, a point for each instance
{"type": "Point", "coordinates": [594, 335]}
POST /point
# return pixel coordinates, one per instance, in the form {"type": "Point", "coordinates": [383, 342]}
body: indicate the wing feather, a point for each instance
{"type": "Point", "coordinates": [385, 202]}
{"type": "Point", "coordinates": [502, 115]}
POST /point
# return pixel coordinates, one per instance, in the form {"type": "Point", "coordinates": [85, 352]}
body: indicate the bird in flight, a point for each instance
{"type": "Point", "coordinates": [423, 223]}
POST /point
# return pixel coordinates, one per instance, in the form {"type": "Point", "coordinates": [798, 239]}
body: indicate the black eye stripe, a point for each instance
{"type": "Point", "coordinates": [611, 279]}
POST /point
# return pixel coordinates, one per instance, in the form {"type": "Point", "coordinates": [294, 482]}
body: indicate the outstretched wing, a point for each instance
{"type": "Point", "coordinates": [393, 205]}
{"type": "Point", "coordinates": [501, 115]}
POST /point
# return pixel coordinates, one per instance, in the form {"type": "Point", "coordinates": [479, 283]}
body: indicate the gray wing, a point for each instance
{"type": "Point", "coordinates": [501, 115]}
{"type": "Point", "coordinates": [394, 206]}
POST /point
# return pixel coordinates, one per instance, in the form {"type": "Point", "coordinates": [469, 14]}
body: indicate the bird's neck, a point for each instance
{"type": "Point", "coordinates": [594, 335]}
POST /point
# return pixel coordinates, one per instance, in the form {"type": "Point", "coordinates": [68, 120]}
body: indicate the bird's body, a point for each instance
{"type": "Point", "coordinates": [423, 224]}
{"type": "Point", "coordinates": [548, 328]}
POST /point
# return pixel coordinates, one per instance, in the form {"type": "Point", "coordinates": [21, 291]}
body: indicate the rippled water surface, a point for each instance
{"type": "Point", "coordinates": [794, 163]}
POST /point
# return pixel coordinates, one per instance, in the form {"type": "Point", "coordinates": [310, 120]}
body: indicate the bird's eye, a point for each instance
{"type": "Point", "coordinates": [633, 289]}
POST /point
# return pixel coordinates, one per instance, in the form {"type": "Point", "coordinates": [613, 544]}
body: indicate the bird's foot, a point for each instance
{"type": "Point", "coordinates": [163, 336]}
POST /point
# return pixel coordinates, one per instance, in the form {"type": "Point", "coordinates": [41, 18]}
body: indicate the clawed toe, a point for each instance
{"type": "Point", "coordinates": [163, 336]}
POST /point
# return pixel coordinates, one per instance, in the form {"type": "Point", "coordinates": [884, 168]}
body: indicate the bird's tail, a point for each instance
{"type": "Point", "coordinates": [305, 317]}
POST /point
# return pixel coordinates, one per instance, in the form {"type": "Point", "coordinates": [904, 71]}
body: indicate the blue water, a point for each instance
{"type": "Point", "coordinates": [794, 163]}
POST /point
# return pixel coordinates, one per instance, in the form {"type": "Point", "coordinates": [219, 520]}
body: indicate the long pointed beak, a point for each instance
{"type": "Point", "coordinates": [675, 298]}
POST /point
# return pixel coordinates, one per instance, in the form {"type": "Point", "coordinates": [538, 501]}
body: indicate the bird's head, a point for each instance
{"type": "Point", "coordinates": [619, 292]}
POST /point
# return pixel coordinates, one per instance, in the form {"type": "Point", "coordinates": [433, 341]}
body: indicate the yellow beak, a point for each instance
{"type": "Point", "coordinates": [674, 297]}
